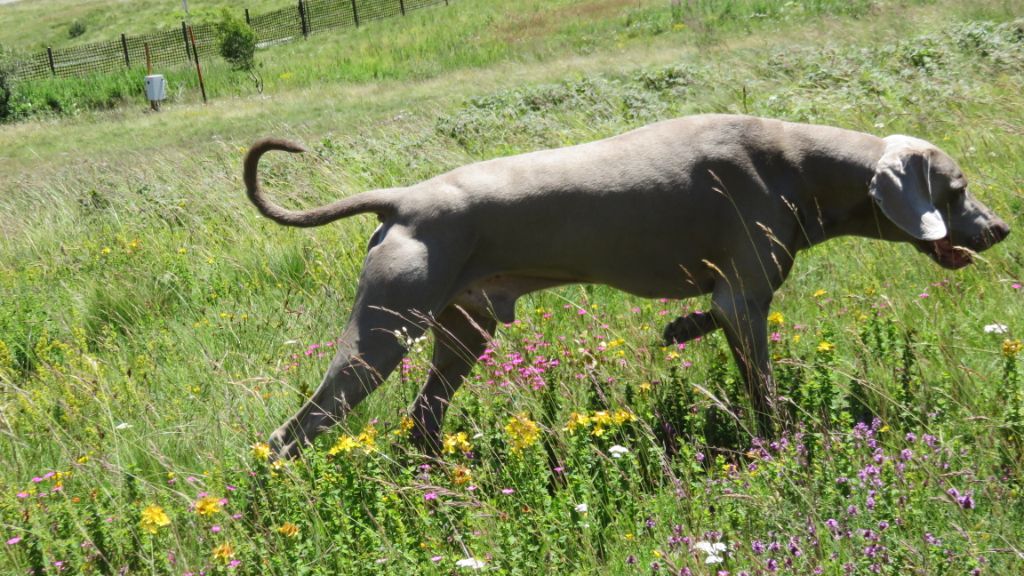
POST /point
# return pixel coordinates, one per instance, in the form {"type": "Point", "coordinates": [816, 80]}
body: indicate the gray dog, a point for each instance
{"type": "Point", "coordinates": [712, 204]}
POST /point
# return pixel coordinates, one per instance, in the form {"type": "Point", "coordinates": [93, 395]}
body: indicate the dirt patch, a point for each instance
{"type": "Point", "coordinates": [541, 23]}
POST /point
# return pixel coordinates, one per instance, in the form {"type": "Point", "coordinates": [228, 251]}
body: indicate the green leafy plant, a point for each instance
{"type": "Point", "coordinates": [236, 43]}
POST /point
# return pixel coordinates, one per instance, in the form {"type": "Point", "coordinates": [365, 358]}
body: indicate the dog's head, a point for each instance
{"type": "Point", "coordinates": [924, 193]}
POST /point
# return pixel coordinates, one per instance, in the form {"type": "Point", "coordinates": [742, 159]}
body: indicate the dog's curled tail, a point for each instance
{"type": "Point", "coordinates": [380, 202]}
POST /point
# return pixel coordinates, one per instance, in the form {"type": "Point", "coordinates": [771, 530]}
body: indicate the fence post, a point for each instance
{"type": "Point", "coordinates": [49, 55]}
{"type": "Point", "coordinates": [355, 13]}
{"type": "Point", "coordinates": [302, 17]}
{"type": "Point", "coordinates": [247, 19]}
{"type": "Point", "coordinates": [184, 36]}
{"type": "Point", "coordinates": [124, 46]}
{"type": "Point", "coordinates": [401, 6]}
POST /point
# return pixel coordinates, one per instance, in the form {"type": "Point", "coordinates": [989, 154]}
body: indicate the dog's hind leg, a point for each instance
{"type": "Point", "coordinates": [396, 289]}
{"type": "Point", "coordinates": [460, 337]}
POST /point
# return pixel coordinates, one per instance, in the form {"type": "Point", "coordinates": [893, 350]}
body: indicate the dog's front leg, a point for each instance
{"type": "Point", "coordinates": [743, 317]}
{"type": "Point", "coordinates": [686, 328]}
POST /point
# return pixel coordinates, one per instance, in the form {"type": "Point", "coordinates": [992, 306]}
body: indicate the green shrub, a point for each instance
{"type": "Point", "coordinates": [237, 45]}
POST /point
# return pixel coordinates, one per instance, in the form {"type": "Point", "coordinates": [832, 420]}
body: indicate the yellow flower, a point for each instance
{"type": "Point", "coordinates": [405, 426]}
{"type": "Point", "coordinates": [458, 442]}
{"type": "Point", "coordinates": [366, 440]}
{"type": "Point", "coordinates": [288, 530]}
{"type": "Point", "coordinates": [645, 387]}
{"type": "Point", "coordinates": [462, 475]}
{"type": "Point", "coordinates": [153, 519]}
{"type": "Point", "coordinates": [344, 445]}
{"type": "Point", "coordinates": [207, 505]}
{"type": "Point", "coordinates": [1012, 347]}
{"type": "Point", "coordinates": [224, 552]}
{"type": "Point", "coordinates": [622, 416]}
{"type": "Point", "coordinates": [776, 318]}
{"type": "Point", "coordinates": [819, 293]}
{"type": "Point", "coordinates": [577, 420]}
{"type": "Point", "coordinates": [825, 346]}
{"type": "Point", "coordinates": [522, 432]}
{"type": "Point", "coordinates": [261, 451]}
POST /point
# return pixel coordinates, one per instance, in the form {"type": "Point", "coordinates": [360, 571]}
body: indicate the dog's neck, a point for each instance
{"type": "Point", "coordinates": [833, 200]}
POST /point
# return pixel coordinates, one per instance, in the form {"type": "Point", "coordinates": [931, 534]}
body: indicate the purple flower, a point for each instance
{"type": "Point", "coordinates": [757, 546]}
{"type": "Point", "coordinates": [507, 491]}
{"type": "Point", "coordinates": [430, 496]}
{"type": "Point", "coordinates": [14, 541]}
{"type": "Point", "coordinates": [630, 560]}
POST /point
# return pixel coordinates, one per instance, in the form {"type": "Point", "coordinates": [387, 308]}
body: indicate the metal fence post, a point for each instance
{"type": "Point", "coordinates": [355, 13]}
{"type": "Point", "coordinates": [184, 36]}
{"type": "Point", "coordinates": [247, 19]}
{"type": "Point", "coordinates": [124, 46]}
{"type": "Point", "coordinates": [303, 19]}
{"type": "Point", "coordinates": [49, 55]}
{"type": "Point", "coordinates": [401, 6]}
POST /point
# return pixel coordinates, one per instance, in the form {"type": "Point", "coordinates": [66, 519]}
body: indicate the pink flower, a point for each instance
{"type": "Point", "coordinates": [507, 491]}
{"type": "Point", "coordinates": [14, 541]}
{"type": "Point", "coordinates": [430, 496]}
{"type": "Point", "coordinates": [215, 528]}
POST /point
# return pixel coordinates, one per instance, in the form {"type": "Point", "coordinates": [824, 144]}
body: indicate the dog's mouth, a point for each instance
{"type": "Point", "coordinates": [947, 254]}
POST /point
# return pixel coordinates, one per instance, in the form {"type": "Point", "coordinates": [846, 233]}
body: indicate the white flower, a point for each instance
{"type": "Point", "coordinates": [714, 551]}
{"type": "Point", "coordinates": [617, 451]}
{"type": "Point", "coordinates": [122, 426]}
{"type": "Point", "coordinates": [996, 329]}
{"type": "Point", "coordinates": [472, 563]}
{"type": "Point", "coordinates": [582, 508]}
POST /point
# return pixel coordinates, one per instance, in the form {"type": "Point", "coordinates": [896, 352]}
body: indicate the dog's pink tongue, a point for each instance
{"type": "Point", "coordinates": [947, 252]}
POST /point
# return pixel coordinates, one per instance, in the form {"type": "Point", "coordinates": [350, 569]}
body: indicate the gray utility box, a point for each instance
{"type": "Point", "coordinates": [156, 87]}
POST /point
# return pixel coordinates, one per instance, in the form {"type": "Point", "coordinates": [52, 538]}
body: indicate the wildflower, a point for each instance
{"type": "Point", "coordinates": [13, 541]}
{"type": "Point", "coordinates": [819, 293]}
{"type": "Point", "coordinates": [207, 506]}
{"type": "Point", "coordinates": [582, 508]}
{"type": "Point", "coordinates": [405, 426]}
{"type": "Point", "coordinates": [153, 519]}
{"type": "Point", "coordinates": [995, 329]}
{"type": "Point", "coordinates": [224, 552]}
{"type": "Point", "coordinates": [261, 451]}
{"type": "Point", "coordinates": [458, 442]}
{"type": "Point", "coordinates": [776, 318]}
{"type": "Point", "coordinates": [430, 496]}
{"type": "Point", "coordinates": [522, 432]}
{"type": "Point", "coordinates": [825, 346]}
{"type": "Point", "coordinates": [471, 563]}
{"type": "Point", "coordinates": [462, 475]}
{"type": "Point", "coordinates": [1012, 347]}
{"type": "Point", "coordinates": [715, 551]}
{"type": "Point", "coordinates": [365, 440]}
{"type": "Point", "coordinates": [576, 421]}
{"type": "Point", "coordinates": [508, 491]}
{"type": "Point", "coordinates": [617, 451]}
{"type": "Point", "coordinates": [215, 528]}
{"type": "Point", "coordinates": [288, 530]}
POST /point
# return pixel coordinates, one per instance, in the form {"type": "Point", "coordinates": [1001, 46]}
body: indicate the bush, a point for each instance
{"type": "Point", "coordinates": [76, 29]}
{"type": "Point", "coordinates": [237, 45]}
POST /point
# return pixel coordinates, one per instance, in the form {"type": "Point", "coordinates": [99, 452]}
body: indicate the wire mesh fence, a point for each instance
{"type": "Point", "coordinates": [174, 47]}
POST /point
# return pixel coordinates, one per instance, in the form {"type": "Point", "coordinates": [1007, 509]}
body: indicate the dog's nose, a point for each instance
{"type": "Point", "coordinates": [999, 231]}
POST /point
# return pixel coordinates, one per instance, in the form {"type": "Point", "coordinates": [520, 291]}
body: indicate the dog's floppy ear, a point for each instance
{"type": "Point", "coordinates": [902, 189]}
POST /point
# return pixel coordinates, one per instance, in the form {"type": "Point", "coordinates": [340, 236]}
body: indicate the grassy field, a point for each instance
{"type": "Point", "coordinates": [154, 329]}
